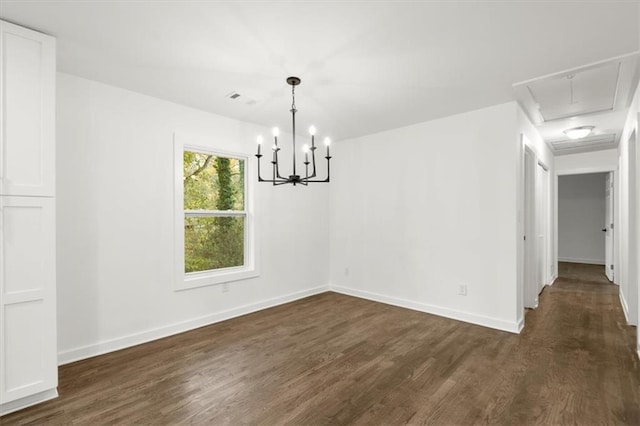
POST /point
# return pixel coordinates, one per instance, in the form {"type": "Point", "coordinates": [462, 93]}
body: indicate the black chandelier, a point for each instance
{"type": "Point", "coordinates": [294, 178]}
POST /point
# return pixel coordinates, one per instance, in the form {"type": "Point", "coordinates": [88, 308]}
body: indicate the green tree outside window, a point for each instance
{"type": "Point", "coordinates": [214, 225]}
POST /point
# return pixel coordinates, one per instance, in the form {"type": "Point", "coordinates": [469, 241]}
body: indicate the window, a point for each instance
{"type": "Point", "coordinates": [213, 223]}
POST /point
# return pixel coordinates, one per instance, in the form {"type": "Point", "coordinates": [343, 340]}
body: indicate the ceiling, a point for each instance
{"type": "Point", "coordinates": [365, 66]}
{"type": "Point", "coordinates": [596, 95]}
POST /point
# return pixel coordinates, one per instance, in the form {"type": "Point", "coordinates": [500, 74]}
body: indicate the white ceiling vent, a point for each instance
{"type": "Point", "coordinates": [593, 143]}
{"type": "Point", "coordinates": [235, 96]}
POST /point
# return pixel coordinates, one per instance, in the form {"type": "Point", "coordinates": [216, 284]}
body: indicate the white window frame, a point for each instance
{"type": "Point", "coordinates": [187, 280]}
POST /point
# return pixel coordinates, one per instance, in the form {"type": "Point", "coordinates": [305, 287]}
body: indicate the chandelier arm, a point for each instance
{"type": "Point", "coordinates": [313, 162]}
{"type": "Point", "coordinates": [260, 178]}
{"type": "Point", "coordinates": [277, 166]}
{"type": "Point", "coordinates": [273, 167]}
{"type": "Point", "coordinates": [321, 180]}
{"type": "Point", "coordinates": [316, 181]}
{"type": "Point", "coordinates": [259, 157]}
{"type": "Point", "coordinates": [277, 181]}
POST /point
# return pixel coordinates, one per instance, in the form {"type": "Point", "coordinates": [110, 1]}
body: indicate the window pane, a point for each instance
{"type": "Point", "coordinates": [213, 243]}
{"type": "Point", "coordinates": [212, 182]}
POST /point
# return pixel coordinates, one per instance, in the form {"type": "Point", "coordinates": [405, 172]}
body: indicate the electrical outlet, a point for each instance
{"type": "Point", "coordinates": [462, 290]}
{"type": "Point", "coordinates": [225, 287]}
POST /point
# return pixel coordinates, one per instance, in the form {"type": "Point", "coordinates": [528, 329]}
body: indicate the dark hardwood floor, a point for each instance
{"type": "Point", "coordinates": [334, 359]}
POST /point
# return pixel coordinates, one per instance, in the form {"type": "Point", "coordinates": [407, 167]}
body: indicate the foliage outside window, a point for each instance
{"type": "Point", "coordinates": [215, 217]}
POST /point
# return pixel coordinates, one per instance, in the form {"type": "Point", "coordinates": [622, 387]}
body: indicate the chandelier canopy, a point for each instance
{"type": "Point", "coordinates": [294, 178]}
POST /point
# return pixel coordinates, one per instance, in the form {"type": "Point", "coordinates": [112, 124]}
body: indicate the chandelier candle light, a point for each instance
{"type": "Point", "coordinates": [294, 178]}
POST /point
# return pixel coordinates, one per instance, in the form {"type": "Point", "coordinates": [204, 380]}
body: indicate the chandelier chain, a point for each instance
{"type": "Point", "coordinates": [293, 97]}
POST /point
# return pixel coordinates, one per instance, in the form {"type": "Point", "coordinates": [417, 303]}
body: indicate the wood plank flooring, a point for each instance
{"type": "Point", "coordinates": [334, 359]}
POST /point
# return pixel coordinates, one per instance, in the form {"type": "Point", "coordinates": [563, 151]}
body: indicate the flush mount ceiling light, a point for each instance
{"type": "Point", "coordinates": [578, 132]}
{"type": "Point", "coordinates": [294, 178]}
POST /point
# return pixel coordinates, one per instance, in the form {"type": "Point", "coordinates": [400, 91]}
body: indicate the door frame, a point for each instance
{"type": "Point", "coordinates": [584, 171]}
{"type": "Point", "coordinates": [530, 213]}
{"type": "Point", "coordinates": [543, 224]}
{"type": "Point", "coordinates": [610, 218]}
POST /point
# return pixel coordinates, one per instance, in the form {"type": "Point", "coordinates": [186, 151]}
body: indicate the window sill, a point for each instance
{"type": "Point", "coordinates": [207, 278]}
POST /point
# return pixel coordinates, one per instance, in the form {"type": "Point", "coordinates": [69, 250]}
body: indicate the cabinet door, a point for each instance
{"type": "Point", "coordinates": [27, 112]}
{"type": "Point", "coordinates": [28, 358]}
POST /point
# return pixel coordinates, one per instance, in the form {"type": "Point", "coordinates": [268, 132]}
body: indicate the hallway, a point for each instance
{"type": "Point", "coordinates": [335, 359]}
{"type": "Point", "coordinates": [583, 346]}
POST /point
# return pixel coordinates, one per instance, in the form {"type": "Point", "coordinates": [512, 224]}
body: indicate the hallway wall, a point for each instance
{"type": "Point", "coordinates": [587, 162]}
{"type": "Point", "coordinates": [581, 217]}
{"type": "Point", "coordinates": [627, 216]}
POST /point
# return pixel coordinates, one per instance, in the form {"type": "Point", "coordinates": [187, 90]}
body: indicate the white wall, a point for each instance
{"type": "Point", "coordinates": [627, 190]}
{"type": "Point", "coordinates": [115, 223]}
{"type": "Point", "coordinates": [587, 162]}
{"type": "Point", "coordinates": [637, 219]}
{"type": "Point", "coordinates": [420, 210]}
{"type": "Point", "coordinates": [581, 218]}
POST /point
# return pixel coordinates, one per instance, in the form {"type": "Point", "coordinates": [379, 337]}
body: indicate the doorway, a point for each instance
{"type": "Point", "coordinates": [584, 218]}
{"type": "Point", "coordinates": [537, 265]}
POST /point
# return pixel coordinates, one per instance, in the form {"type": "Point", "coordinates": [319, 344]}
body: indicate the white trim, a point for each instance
{"type": "Point", "coordinates": [586, 170]}
{"type": "Point", "coordinates": [215, 213]}
{"type": "Point", "coordinates": [28, 401]}
{"type": "Point", "coordinates": [579, 68]}
{"type": "Point", "coordinates": [613, 169]}
{"type": "Point", "coordinates": [553, 279]}
{"type": "Point", "coordinates": [485, 321]}
{"type": "Point", "coordinates": [107, 346]}
{"type": "Point", "coordinates": [625, 307]}
{"type": "Point", "coordinates": [186, 281]}
{"type": "Point", "coordinates": [587, 261]}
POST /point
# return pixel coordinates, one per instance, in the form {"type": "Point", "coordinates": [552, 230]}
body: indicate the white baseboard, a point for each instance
{"type": "Point", "coordinates": [482, 320]}
{"type": "Point", "coordinates": [76, 354]}
{"type": "Point", "coordinates": [625, 307]}
{"type": "Point", "coordinates": [553, 279]}
{"type": "Point", "coordinates": [27, 401]}
{"type": "Point", "coordinates": [576, 260]}
{"type": "Point", "coordinates": [520, 325]}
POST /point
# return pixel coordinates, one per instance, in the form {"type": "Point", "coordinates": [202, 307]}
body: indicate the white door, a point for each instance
{"type": "Point", "coordinates": [542, 213]}
{"type": "Point", "coordinates": [530, 262]}
{"type": "Point", "coordinates": [608, 228]}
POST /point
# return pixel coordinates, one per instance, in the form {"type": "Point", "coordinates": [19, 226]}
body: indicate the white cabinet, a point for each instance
{"type": "Point", "coordinates": [28, 354]}
{"type": "Point", "coordinates": [27, 279]}
{"type": "Point", "coordinates": [27, 79]}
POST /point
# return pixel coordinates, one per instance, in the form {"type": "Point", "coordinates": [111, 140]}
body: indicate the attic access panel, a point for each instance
{"type": "Point", "coordinates": [585, 91]}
